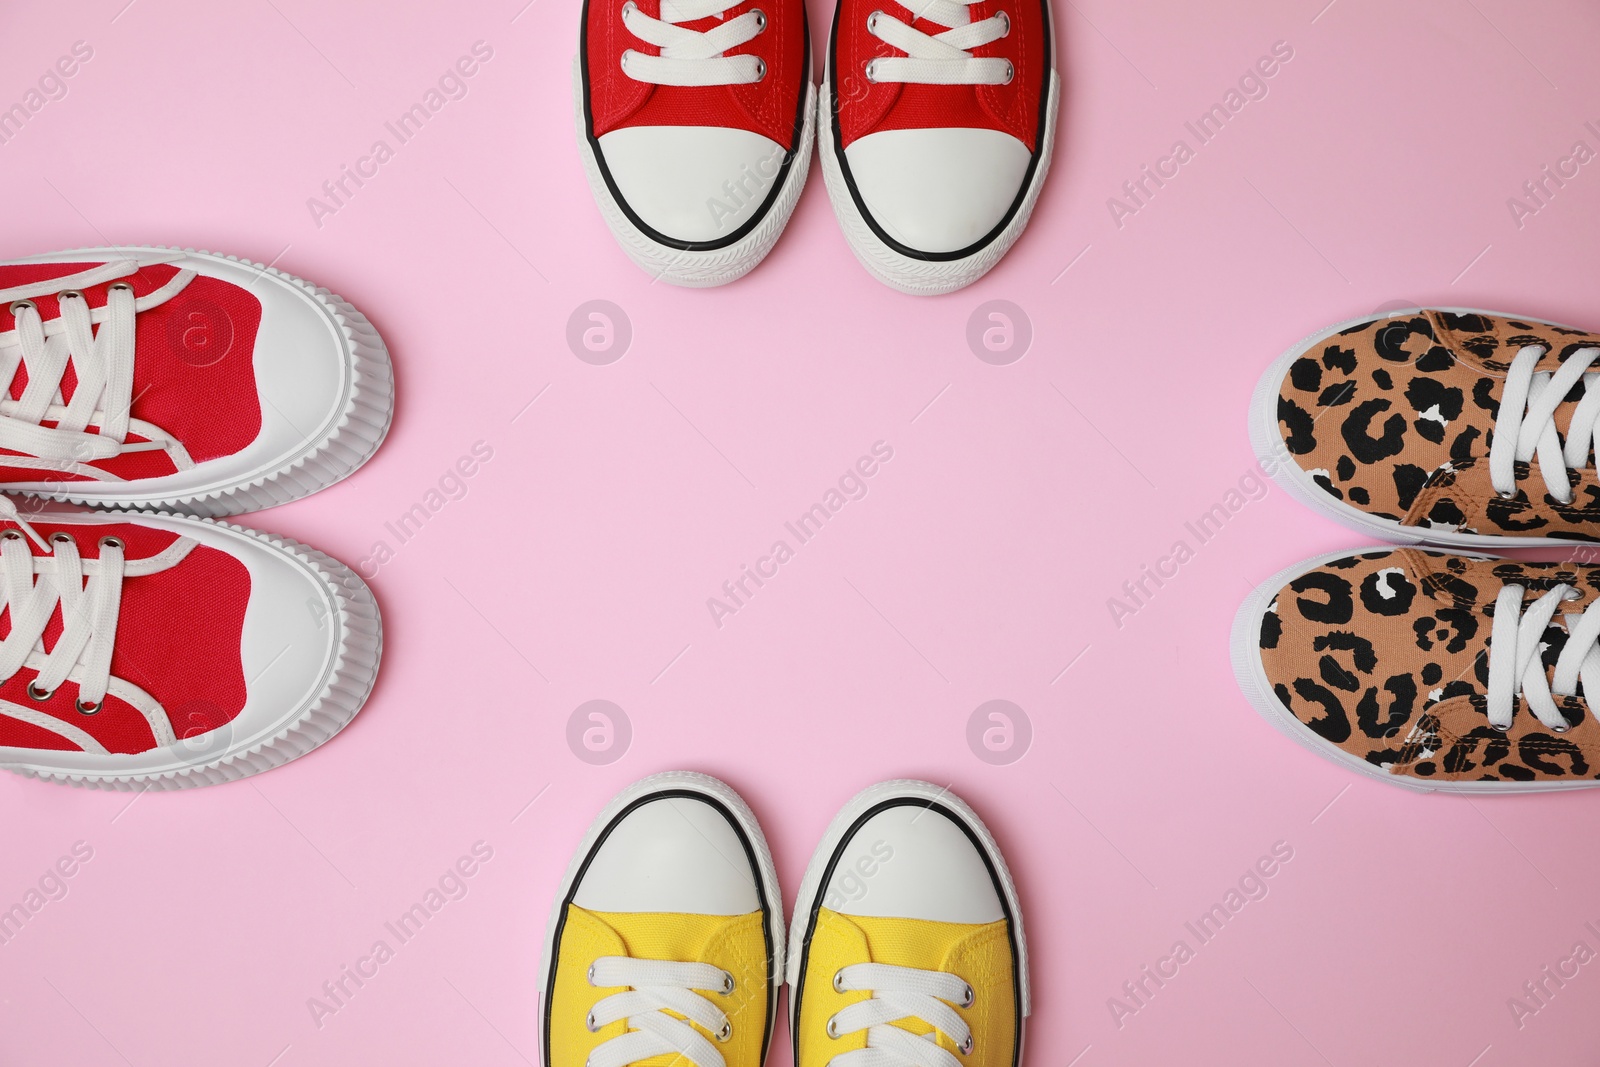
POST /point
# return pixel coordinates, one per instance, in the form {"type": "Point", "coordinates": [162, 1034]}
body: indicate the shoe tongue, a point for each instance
{"type": "Point", "coordinates": [689, 15]}
{"type": "Point", "coordinates": [1536, 583]}
{"type": "Point", "coordinates": [942, 12]}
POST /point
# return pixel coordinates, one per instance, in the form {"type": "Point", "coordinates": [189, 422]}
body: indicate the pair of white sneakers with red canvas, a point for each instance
{"type": "Point", "coordinates": [934, 120]}
{"type": "Point", "coordinates": [143, 393]}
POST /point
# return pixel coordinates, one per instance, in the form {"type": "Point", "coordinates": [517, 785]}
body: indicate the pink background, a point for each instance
{"type": "Point", "coordinates": [1019, 499]}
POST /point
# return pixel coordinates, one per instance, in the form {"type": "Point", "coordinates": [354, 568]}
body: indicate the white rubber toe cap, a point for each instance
{"type": "Point", "coordinates": [670, 854]}
{"type": "Point", "coordinates": [913, 861]}
{"type": "Point", "coordinates": [691, 183]}
{"type": "Point", "coordinates": [938, 190]}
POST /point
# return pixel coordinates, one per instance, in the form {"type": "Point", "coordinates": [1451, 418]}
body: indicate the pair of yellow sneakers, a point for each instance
{"type": "Point", "coordinates": [666, 943]}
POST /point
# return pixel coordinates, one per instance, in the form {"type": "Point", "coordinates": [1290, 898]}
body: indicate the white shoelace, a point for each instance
{"type": "Point", "coordinates": [103, 362]}
{"type": "Point", "coordinates": [656, 987]}
{"type": "Point", "coordinates": [692, 57]}
{"type": "Point", "coordinates": [901, 993]}
{"type": "Point", "coordinates": [1526, 423]}
{"type": "Point", "coordinates": [1515, 662]}
{"type": "Point", "coordinates": [940, 58]}
{"type": "Point", "coordinates": [32, 586]}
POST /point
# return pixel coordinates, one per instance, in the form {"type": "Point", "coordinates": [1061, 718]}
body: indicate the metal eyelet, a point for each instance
{"type": "Point", "coordinates": [833, 1027]}
{"type": "Point", "coordinates": [727, 984]}
{"type": "Point", "coordinates": [69, 294]}
{"type": "Point", "coordinates": [119, 287]}
{"type": "Point", "coordinates": [1011, 72]}
{"type": "Point", "coordinates": [588, 1023]}
{"type": "Point", "coordinates": [968, 997]}
{"type": "Point", "coordinates": [968, 1045]}
{"type": "Point", "coordinates": [86, 707]}
{"type": "Point", "coordinates": [36, 693]}
{"type": "Point", "coordinates": [1005, 20]}
{"type": "Point", "coordinates": [1501, 729]}
{"type": "Point", "coordinates": [761, 70]}
{"type": "Point", "coordinates": [726, 1033]}
{"type": "Point", "coordinates": [761, 20]}
{"type": "Point", "coordinates": [870, 71]}
{"type": "Point", "coordinates": [59, 538]}
{"type": "Point", "coordinates": [10, 535]}
{"type": "Point", "coordinates": [623, 62]}
{"type": "Point", "coordinates": [22, 305]}
{"type": "Point", "coordinates": [838, 980]}
{"type": "Point", "coordinates": [591, 974]}
{"type": "Point", "coordinates": [872, 21]}
{"type": "Point", "coordinates": [112, 542]}
{"type": "Point", "coordinates": [1560, 729]}
{"type": "Point", "coordinates": [1506, 496]}
{"type": "Point", "coordinates": [630, 8]}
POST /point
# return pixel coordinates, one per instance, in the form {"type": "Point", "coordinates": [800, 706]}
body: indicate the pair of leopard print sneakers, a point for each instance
{"type": "Point", "coordinates": [1427, 664]}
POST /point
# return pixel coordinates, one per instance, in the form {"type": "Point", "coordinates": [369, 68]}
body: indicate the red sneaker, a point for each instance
{"type": "Point", "coordinates": [164, 652]}
{"type": "Point", "coordinates": [149, 377]}
{"type": "Point", "coordinates": [937, 122]}
{"type": "Point", "coordinates": [695, 127]}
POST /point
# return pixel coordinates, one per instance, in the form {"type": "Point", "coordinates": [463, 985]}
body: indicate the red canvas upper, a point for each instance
{"type": "Point", "coordinates": [178, 638]}
{"type": "Point", "coordinates": [869, 107]}
{"type": "Point", "coordinates": [194, 369]}
{"type": "Point", "coordinates": [767, 107]}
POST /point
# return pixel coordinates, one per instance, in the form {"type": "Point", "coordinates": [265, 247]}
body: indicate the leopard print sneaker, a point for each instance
{"type": "Point", "coordinates": [1451, 427]}
{"type": "Point", "coordinates": [1431, 670]}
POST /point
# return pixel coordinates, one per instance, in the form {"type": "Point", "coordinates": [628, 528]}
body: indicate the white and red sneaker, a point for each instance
{"type": "Point", "coordinates": [936, 125]}
{"type": "Point", "coordinates": [695, 126]}
{"type": "Point", "coordinates": [159, 651]}
{"type": "Point", "coordinates": [149, 377]}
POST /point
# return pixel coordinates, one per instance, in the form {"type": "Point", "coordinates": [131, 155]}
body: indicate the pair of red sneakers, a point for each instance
{"type": "Point", "coordinates": [147, 645]}
{"type": "Point", "coordinates": [934, 120]}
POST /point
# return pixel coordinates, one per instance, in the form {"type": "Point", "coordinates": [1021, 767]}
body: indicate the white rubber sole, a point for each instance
{"type": "Point", "coordinates": [331, 453]}
{"type": "Point", "coordinates": [697, 269]}
{"type": "Point", "coordinates": [1266, 439]}
{"type": "Point", "coordinates": [693, 782]}
{"type": "Point", "coordinates": [347, 682]}
{"type": "Point", "coordinates": [922, 277]}
{"type": "Point", "coordinates": [859, 805]}
{"type": "Point", "coordinates": [1244, 646]}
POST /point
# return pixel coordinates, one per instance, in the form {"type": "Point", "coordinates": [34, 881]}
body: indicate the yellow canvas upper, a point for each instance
{"type": "Point", "coordinates": [735, 943]}
{"type": "Point", "coordinates": [979, 953]}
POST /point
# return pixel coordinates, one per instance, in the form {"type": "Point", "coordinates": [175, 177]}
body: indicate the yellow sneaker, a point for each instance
{"type": "Point", "coordinates": [906, 948]}
{"type": "Point", "coordinates": [666, 939]}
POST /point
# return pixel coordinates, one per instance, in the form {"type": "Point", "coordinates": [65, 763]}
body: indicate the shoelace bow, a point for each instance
{"type": "Point", "coordinates": [656, 987]}
{"type": "Point", "coordinates": [901, 993]}
{"type": "Point", "coordinates": [940, 58]}
{"type": "Point", "coordinates": [693, 57]}
{"type": "Point", "coordinates": [102, 361]}
{"type": "Point", "coordinates": [1515, 662]}
{"type": "Point", "coordinates": [1525, 426]}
